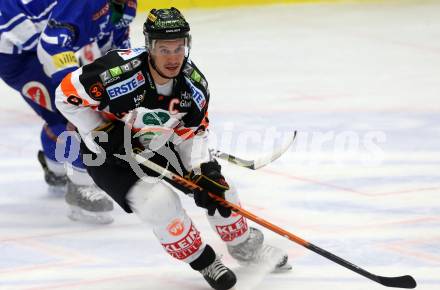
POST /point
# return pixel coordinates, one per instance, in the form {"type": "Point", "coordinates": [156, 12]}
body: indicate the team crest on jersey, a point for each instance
{"type": "Point", "coordinates": [38, 93]}
{"type": "Point", "coordinates": [126, 86]}
{"type": "Point", "coordinates": [197, 95]}
{"type": "Point", "coordinates": [130, 53]}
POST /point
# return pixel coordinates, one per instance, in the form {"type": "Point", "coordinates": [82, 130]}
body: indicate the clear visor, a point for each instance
{"type": "Point", "coordinates": [170, 47]}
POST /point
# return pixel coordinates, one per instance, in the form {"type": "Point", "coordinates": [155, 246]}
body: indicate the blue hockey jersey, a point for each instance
{"type": "Point", "coordinates": [58, 29]}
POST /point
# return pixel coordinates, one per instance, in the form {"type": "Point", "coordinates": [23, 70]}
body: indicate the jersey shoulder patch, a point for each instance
{"type": "Point", "coordinates": [192, 72]}
{"type": "Point", "coordinates": [116, 72]}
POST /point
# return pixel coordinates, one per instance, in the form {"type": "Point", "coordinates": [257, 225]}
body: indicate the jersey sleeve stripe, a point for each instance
{"type": "Point", "coordinates": [188, 133]}
{"type": "Point", "coordinates": [185, 133]}
{"type": "Point", "coordinates": [67, 87]}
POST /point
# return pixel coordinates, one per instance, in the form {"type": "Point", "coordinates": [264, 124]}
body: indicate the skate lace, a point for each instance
{"type": "Point", "coordinates": [91, 193]}
{"type": "Point", "coordinates": [215, 270]}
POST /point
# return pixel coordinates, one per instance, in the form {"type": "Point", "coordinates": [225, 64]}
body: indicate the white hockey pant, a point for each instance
{"type": "Point", "coordinates": [160, 207]}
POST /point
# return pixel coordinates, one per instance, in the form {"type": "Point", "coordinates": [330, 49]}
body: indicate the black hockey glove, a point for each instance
{"type": "Point", "coordinates": [210, 180]}
{"type": "Point", "coordinates": [115, 133]}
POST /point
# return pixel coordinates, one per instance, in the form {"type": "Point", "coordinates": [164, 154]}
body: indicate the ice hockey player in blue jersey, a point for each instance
{"type": "Point", "coordinates": [41, 41]}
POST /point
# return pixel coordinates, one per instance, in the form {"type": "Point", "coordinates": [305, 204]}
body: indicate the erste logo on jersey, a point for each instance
{"type": "Point", "coordinates": [127, 86]}
{"type": "Point", "coordinates": [197, 95]}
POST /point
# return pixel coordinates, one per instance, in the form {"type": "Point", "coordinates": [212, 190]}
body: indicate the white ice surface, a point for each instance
{"type": "Point", "coordinates": [361, 77]}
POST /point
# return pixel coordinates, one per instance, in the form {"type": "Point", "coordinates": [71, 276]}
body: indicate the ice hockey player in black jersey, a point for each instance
{"type": "Point", "coordinates": [155, 100]}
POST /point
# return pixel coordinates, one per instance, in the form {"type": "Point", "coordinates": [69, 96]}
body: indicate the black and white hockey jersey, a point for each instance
{"type": "Point", "coordinates": [119, 82]}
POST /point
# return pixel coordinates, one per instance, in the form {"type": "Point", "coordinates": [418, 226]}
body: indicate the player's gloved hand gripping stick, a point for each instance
{"type": "Point", "coordinates": [212, 181]}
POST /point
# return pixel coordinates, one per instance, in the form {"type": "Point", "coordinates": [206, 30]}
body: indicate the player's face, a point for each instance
{"type": "Point", "coordinates": [169, 55]}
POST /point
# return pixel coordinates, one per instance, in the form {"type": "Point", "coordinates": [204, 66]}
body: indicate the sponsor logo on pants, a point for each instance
{"type": "Point", "coordinates": [176, 227]}
{"type": "Point", "coordinates": [186, 246]}
{"type": "Point", "coordinates": [230, 232]}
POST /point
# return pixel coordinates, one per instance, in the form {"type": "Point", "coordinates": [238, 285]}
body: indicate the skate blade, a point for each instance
{"type": "Point", "coordinates": [283, 265]}
{"type": "Point", "coordinates": [273, 268]}
{"type": "Point", "coordinates": [282, 269]}
{"type": "Point", "coordinates": [81, 215]}
{"type": "Point", "coordinates": [276, 264]}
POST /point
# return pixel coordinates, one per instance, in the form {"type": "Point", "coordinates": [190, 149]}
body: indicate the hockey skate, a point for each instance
{"type": "Point", "coordinates": [219, 276]}
{"type": "Point", "coordinates": [57, 183]}
{"type": "Point", "coordinates": [253, 252]}
{"type": "Point", "coordinates": [88, 204]}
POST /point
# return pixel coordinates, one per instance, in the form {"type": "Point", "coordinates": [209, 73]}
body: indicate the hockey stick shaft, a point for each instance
{"type": "Point", "coordinates": [257, 163]}
{"type": "Point", "coordinates": [399, 282]}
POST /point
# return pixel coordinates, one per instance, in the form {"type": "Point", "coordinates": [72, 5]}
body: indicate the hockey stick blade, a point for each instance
{"type": "Point", "coordinates": [398, 282]}
{"type": "Point", "coordinates": [257, 163]}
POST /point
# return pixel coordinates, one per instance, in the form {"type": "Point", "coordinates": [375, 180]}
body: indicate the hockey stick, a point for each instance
{"type": "Point", "coordinates": [398, 282]}
{"type": "Point", "coordinates": [257, 163]}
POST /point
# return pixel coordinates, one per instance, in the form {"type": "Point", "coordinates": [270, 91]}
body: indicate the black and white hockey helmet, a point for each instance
{"type": "Point", "coordinates": [166, 24]}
